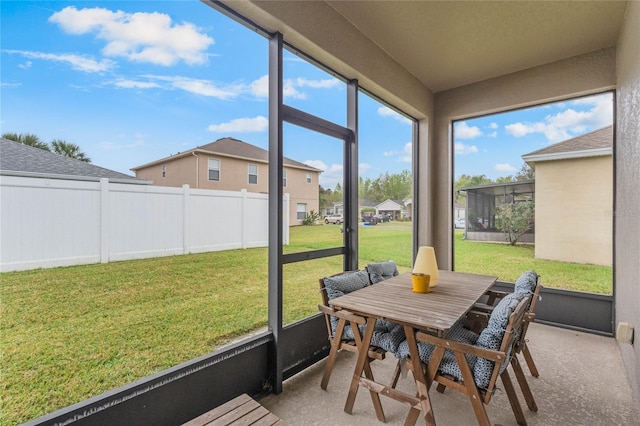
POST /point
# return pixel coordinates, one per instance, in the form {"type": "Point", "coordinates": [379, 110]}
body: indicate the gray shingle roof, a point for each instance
{"type": "Point", "coordinates": [23, 160]}
{"type": "Point", "coordinates": [236, 148]}
{"type": "Point", "coordinates": [598, 142]}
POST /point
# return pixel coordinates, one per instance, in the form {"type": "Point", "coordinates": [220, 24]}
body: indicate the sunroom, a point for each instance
{"type": "Point", "coordinates": [435, 62]}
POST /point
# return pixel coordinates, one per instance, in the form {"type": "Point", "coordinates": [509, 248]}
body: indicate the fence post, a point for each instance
{"type": "Point", "coordinates": [104, 220]}
{"type": "Point", "coordinates": [245, 218]}
{"type": "Point", "coordinates": [186, 209]}
{"type": "Point", "coordinates": [286, 212]}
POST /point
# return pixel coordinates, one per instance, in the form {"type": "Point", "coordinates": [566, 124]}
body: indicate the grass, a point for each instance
{"type": "Point", "coordinates": [71, 333]}
{"type": "Point", "coordinates": [508, 262]}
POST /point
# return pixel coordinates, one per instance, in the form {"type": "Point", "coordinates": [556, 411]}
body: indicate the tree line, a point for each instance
{"type": "Point", "coordinates": [395, 186]}
{"type": "Point", "coordinates": [58, 146]}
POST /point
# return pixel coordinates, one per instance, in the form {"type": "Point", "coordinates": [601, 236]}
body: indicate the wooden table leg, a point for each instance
{"type": "Point", "coordinates": [363, 365]}
{"type": "Point", "coordinates": [422, 383]}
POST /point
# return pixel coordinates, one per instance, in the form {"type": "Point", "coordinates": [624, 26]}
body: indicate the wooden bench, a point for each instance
{"type": "Point", "coordinates": [242, 410]}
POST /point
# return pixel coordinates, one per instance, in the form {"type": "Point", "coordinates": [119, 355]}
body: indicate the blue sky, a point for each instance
{"type": "Point", "coordinates": [493, 145]}
{"type": "Point", "coordinates": [132, 82]}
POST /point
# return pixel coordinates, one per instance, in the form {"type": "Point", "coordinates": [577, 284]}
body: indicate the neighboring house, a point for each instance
{"type": "Point", "coordinates": [333, 208]}
{"type": "Point", "coordinates": [459, 211]}
{"type": "Point", "coordinates": [574, 198]}
{"type": "Point", "coordinates": [232, 165]}
{"type": "Point", "coordinates": [17, 159]}
{"type": "Point", "coordinates": [408, 208]}
{"type": "Point", "coordinates": [391, 208]}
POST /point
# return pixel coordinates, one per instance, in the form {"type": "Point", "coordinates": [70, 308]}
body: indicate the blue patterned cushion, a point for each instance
{"type": "Point", "coordinates": [449, 365]}
{"type": "Point", "coordinates": [340, 285]}
{"type": "Point", "coordinates": [386, 335]}
{"type": "Point", "coordinates": [390, 337]}
{"type": "Point", "coordinates": [491, 337]}
{"type": "Point", "coordinates": [526, 283]}
{"type": "Point", "coordinates": [381, 271]}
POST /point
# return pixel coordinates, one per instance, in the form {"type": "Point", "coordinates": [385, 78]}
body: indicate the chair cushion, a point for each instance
{"type": "Point", "coordinates": [526, 283]}
{"type": "Point", "coordinates": [381, 271]}
{"type": "Point", "coordinates": [449, 364]}
{"type": "Point", "coordinates": [491, 337]}
{"type": "Point", "coordinates": [386, 335]}
{"type": "Point", "coordinates": [342, 284]}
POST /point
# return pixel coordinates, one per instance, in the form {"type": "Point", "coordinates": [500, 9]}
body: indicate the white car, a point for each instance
{"type": "Point", "coordinates": [459, 223]}
{"type": "Point", "coordinates": [334, 218]}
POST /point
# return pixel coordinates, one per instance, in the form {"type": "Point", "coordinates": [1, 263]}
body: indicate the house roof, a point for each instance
{"type": "Point", "coordinates": [593, 144]}
{"type": "Point", "coordinates": [390, 205]}
{"type": "Point", "coordinates": [497, 189]}
{"type": "Point", "coordinates": [230, 147]}
{"type": "Point", "coordinates": [17, 159]}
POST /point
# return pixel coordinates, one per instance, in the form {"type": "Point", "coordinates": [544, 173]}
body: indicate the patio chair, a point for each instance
{"type": "Point", "coordinates": [345, 329]}
{"type": "Point", "coordinates": [471, 364]}
{"type": "Point", "coordinates": [380, 271]}
{"type": "Point", "coordinates": [527, 283]}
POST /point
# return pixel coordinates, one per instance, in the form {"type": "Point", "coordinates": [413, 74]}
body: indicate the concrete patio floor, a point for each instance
{"type": "Point", "coordinates": [581, 382]}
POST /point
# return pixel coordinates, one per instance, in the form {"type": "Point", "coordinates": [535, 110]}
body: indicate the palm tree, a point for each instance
{"type": "Point", "coordinates": [69, 149]}
{"type": "Point", "coordinates": [27, 139]}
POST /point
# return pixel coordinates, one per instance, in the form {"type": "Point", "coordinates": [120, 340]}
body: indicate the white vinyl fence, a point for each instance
{"type": "Point", "coordinates": [52, 222]}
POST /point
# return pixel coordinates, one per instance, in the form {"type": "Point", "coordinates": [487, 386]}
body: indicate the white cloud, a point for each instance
{"type": "Point", "coordinates": [463, 131]}
{"type": "Point", "coordinates": [241, 125]}
{"type": "Point", "coordinates": [462, 149]}
{"type": "Point", "coordinates": [493, 135]}
{"type": "Point", "coordinates": [330, 176]}
{"type": "Point", "coordinates": [139, 37]}
{"type": "Point", "coordinates": [132, 84]}
{"type": "Point", "coordinates": [363, 168]}
{"type": "Point", "coordinates": [77, 62]}
{"type": "Point", "coordinates": [384, 111]}
{"type": "Point", "coordinates": [327, 83]}
{"type": "Point", "coordinates": [403, 156]}
{"type": "Point", "coordinates": [493, 125]}
{"type": "Point", "coordinates": [570, 122]}
{"type": "Point", "coordinates": [504, 167]}
{"type": "Point", "coordinates": [26, 65]}
{"type": "Point", "coordinates": [318, 164]}
{"type": "Point", "coordinates": [260, 87]}
{"type": "Point", "coordinates": [200, 87]}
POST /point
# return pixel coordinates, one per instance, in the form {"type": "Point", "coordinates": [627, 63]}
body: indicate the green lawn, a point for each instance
{"type": "Point", "coordinates": [71, 333]}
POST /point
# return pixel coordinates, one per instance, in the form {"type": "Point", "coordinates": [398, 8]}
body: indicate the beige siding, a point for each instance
{"type": "Point", "coordinates": [179, 171]}
{"type": "Point", "coordinates": [302, 192]}
{"type": "Point", "coordinates": [574, 203]}
{"type": "Point", "coordinates": [234, 176]}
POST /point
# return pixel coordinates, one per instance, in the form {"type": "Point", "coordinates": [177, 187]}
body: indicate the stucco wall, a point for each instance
{"type": "Point", "coordinates": [627, 219]}
{"type": "Point", "coordinates": [574, 205]}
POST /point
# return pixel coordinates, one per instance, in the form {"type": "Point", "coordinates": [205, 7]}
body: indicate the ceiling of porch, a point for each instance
{"type": "Point", "coordinates": [447, 44]}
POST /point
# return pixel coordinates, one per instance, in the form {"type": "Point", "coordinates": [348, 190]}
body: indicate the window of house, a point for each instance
{"type": "Point", "coordinates": [164, 171]}
{"type": "Point", "coordinates": [284, 178]}
{"type": "Point", "coordinates": [214, 169]}
{"type": "Point", "coordinates": [253, 174]}
{"type": "Point", "coordinates": [308, 177]}
{"type": "Point", "coordinates": [301, 211]}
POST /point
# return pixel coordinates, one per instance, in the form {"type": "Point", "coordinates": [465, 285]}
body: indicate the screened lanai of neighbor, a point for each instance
{"type": "Point", "coordinates": [480, 209]}
{"type": "Point", "coordinates": [435, 63]}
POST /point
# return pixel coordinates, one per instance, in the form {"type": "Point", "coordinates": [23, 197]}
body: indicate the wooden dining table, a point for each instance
{"type": "Point", "coordinates": [434, 312]}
